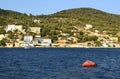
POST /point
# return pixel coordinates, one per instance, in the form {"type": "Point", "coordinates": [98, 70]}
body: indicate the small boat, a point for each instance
{"type": "Point", "coordinates": [29, 46]}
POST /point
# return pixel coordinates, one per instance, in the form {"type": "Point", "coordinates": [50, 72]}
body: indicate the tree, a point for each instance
{"type": "Point", "coordinates": [119, 39]}
{"type": "Point", "coordinates": [98, 43]}
{"type": "Point", "coordinates": [81, 33]}
{"type": "Point", "coordinates": [91, 38]}
{"type": "Point", "coordinates": [2, 42]}
{"type": "Point", "coordinates": [9, 32]}
{"type": "Point", "coordinates": [45, 31]}
{"type": "Point", "coordinates": [2, 31]}
{"type": "Point", "coordinates": [53, 35]}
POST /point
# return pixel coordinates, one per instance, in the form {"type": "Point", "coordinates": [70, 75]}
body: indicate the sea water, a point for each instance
{"type": "Point", "coordinates": [59, 63]}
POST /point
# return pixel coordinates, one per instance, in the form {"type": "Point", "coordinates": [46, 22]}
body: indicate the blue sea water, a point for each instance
{"type": "Point", "coordinates": [59, 63]}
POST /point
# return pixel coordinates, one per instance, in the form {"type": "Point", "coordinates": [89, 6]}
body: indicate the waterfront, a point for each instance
{"type": "Point", "coordinates": [59, 63]}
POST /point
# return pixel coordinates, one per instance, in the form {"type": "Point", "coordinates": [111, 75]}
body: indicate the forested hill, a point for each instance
{"type": "Point", "coordinates": [8, 12]}
{"type": "Point", "coordinates": [11, 17]}
{"type": "Point", "coordinates": [65, 19]}
{"type": "Point", "coordinates": [99, 19]}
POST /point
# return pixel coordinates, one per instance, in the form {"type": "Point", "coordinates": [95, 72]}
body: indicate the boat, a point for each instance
{"type": "Point", "coordinates": [29, 46]}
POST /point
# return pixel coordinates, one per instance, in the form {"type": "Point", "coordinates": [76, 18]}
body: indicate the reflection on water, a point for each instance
{"type": "Point", "coordinates": [59, 63]}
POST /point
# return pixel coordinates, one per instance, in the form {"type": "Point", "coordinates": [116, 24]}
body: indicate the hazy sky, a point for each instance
{"type": "Point", "coordinates": [37, 7]}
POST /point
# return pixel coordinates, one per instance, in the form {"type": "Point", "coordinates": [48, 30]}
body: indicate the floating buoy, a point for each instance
{"type": "Point", "coordinates": [89, 63]}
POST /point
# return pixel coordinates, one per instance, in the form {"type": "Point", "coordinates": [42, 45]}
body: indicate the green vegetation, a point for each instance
{"type": "Point", "coordinates": [64, 21]}
{"type": "Point", "coordinates": [99, 19]}
{"type": "Point", "coordinates": [2, 42]}
{"type": "Point", "coordinates": [119, 39]}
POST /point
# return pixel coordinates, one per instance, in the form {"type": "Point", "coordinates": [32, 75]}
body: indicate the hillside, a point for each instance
{"type": "Point", "coordinates": [99, 19]}
{"type": "Point", "coordinates": [64, 20]}
{"type": "Point", "coordinates": [67, 24]}
{"type": "Point", "coordinates": [11, 17]}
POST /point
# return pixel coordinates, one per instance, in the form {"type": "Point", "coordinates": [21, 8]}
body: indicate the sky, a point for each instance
{"type": "Point", "coordinates": [38, 7]}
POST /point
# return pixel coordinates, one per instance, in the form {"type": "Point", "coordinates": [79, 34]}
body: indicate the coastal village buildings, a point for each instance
{"type": "Point", "coordinates": [35, 30]}
{"type": "Point", "coordinates": [20, 38]}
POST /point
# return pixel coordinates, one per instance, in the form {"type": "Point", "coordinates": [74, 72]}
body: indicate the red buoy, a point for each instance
{"type": "Point", "coordinates": [89, 63]}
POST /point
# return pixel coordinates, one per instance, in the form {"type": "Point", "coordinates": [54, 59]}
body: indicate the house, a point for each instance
{"type": "Point", "coordinates": [17, 44]}
{"type": "Point", "coordinates": [55, 45]}
{"type": "Point", "coordinates": [36, 21]}
{"type": "Point", "coordinates": [114, 39]}
{"type": "Point", "coordinates": [62, 43]}
{"type": "Point", "coordinates": [9, 44]}
{"type": "Point", "coordinates": [81, 44]}
{"type": "Point", "coordinates": [105, 45]}
{"type": "Point", "coordinates": [14, 27]}
{"type": "Point", "coordinates": [46, 42]}
{"type": "Point", "coordinates": [72, 45]}
{"type": "Point", "coordinates": [37, 39]}
{"type": "Point", "coordinates": [73, 39]}
{"type": "Point", "coordinates": [90, 44]}
{"type": "Point", "coordinates": [88, 26]}
{"type": "Point", "coordinates": [64, 34]}
{"type": "Point", "coordinates": [22, 44]}
{"type": "Point", "coordinates": [28, 38]}
{"type": "Point", "coordinates": [2, 36]}
{"type": "Point", "coordinates": [10, 27]}
{"type": "Point", "coordinates": [35, 29]}
{"type": "Point", "coordinates": [19, 27]}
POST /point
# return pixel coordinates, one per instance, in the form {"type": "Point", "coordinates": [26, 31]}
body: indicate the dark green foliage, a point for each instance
{"type": "Point", "coordinates": [12, 17]}
{"type": "Point", "coordinates": [119, 39]}
{"type": "Point", "coordinates": [2, 31]}
{"type": "Point", "coordinates": [98, 43]}
{"type": "Point", "coordinates": [91, 38]}
{"type": "Point", "coordinates": [2, 42]}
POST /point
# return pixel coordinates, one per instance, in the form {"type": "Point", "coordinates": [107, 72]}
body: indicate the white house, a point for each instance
{"type": "Point", "coordinates": [28, 38]}
{"type": "Point", "coordinates": [88, 26]}
{"type": "Point", "coordinates": [36, 21]}
{"type": "Point", "coordinates": [46, 42]}
{"type": "Point", "coordinates": [10, 27]}
{"type": "Point", "coordinates": [37, 39]}
{"type": "Point", "coordinates": [105, 45]}
{"type": "Point", "coordinates": [14, 27]}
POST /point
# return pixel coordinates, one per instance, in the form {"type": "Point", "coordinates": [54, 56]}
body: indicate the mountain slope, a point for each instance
{"type": "Point", "coordinates": [8, 12]}
{"type": "Point", "coordinates": [99, 19]}
{"type": "Point", "coordinates": [65, 19]}
{"type": "Point", "coordinates": [11, 17]}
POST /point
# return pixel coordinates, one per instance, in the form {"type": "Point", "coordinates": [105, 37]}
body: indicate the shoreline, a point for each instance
{"type": "Point", "coordinates": [63, 47]}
